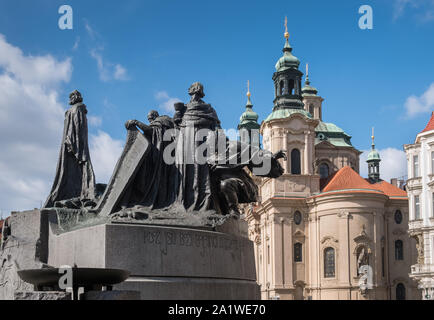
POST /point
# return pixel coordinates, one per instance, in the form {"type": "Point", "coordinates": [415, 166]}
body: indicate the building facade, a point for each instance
{"type": "Point", "coordinates": [420, 186]}
{"type": "Point", "coordinates": [321, 231]}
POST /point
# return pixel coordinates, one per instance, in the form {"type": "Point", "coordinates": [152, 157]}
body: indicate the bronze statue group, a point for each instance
{"type": "Point", "coordinates": [159, 168]}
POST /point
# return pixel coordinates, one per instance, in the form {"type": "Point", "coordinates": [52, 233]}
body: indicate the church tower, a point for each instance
{"type": "Point", "coordinates": [249, 122]}
{"type": "Point", "coordinates": [287, 79]}
{"type": "Point", "coordinates": [312, 101]}
{"type": "Point", "coordinates": [373, 163]}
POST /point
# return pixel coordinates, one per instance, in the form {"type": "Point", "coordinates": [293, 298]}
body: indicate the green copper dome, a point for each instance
{"type": "Point", "coordinates": [285, 113]}
{"type": "Point", "coordinates": [373, 156]}
{"type": "Point", "coordinates": [249, 115]}
{"type": "Point", "coordinates": [287, 61]}
{"type": "Point", "coordinates": [249, 118]}
{"type": "Point", "coordinates": [333, 134]}
{"type": "Point", "coordinates": [308, 90]}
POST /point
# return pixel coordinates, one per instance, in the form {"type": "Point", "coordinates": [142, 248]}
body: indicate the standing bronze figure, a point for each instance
{"type": "Point", "coordinates": [75, 178]}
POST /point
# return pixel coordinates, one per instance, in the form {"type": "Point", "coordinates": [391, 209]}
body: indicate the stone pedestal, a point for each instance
{"type": "Point", "coordinates": [165, 262]}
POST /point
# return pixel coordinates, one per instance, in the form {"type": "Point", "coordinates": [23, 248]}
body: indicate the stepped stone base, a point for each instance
{"type": "Point", "coordinates": [165, 262]}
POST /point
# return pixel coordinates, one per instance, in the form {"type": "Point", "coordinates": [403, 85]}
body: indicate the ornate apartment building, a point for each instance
{"type": "Point", "coordinates": [321, 231]}
{"type": "Point", "coordinates": [420, 186]}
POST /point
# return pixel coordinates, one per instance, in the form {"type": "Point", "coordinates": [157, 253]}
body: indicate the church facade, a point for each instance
{"type": "Point", "coordinates": [321, 231]}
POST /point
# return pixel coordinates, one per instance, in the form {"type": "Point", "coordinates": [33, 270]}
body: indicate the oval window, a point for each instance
{"type": "Point", "coordinates": [398, 217]}
{"type": "Point", "coordinates": [297, 217]}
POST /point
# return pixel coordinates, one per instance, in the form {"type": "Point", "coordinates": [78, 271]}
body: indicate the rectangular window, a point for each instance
{"type": "Point", "coordinates": [329, 263]}
{"type": "Point", "coordinates": [298, 252]}
{"type": "Point", "coordinates": [268, 254]}
{"type": "Point", "coordinates": [415, 166]}
{"type": "Point", "coordinates": [432, 210]}
{"type": "Point", "coordinates": [416, 208]}
{"type": "Point", "coordinates": [382, 261]}
{"type": "Point", "coordinates": [399, 250]}
{"type": "Point", "coordinates": [432, 162]}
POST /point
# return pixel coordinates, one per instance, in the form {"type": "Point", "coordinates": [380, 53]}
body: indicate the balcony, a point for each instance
{"type": "Point", "coordinates": [415, 225]}
{"type": "Point", "coordinates": [414, 183]}
{"type": "Point", "coordinates": [422, 270]}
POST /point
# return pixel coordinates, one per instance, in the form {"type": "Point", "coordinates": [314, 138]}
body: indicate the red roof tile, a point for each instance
{"type": "Point", "coordinates": [347, 178]}
{"type": "Point", "coordinates": [430, 125]}
{"type": "Point", "coordinates": [389, 189]}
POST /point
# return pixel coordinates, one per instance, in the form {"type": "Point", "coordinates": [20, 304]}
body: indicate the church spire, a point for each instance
{"type": "Point", "coordinates": [307, 89]}
{"type": "Point", "coordinates": [373, 162]}
{"type": "Point", "coordinates": [287, 78]}
{"type": "Point", "coordinates": [249, 118]}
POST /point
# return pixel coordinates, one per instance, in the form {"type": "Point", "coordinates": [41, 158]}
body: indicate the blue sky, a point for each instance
{"type": "Point", "coordinates": [132, 56]}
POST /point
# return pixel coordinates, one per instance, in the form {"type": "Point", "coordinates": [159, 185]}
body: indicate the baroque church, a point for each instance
{"type": "Point", "coordinates": [321, 231]}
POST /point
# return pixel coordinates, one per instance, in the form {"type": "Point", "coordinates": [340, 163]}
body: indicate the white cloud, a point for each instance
{"type": "Point", "coordinates": [423, 104]}
{"type": "Point", "coordinates": [399, 8]}
{"type": "Point", "coordinates": [41, 70]}
{"type": "Point", "coordinates": [76, 43]}
{"type": "Point", "coordinates": [31, 126]}
{"type": "Point", "coordinates": [120, 73]}
{"type": "Point", "coordinates": [94, 121]}
{"type": "Point", "coordinates": [166, 102]}
{"type": "Point", "coordinates": [107, 70]}
{"type": "Point", "coordinates": [393, 163]}
{"type": "Point", "coordinates": [105, 152]}
{"type": "Point", "coordinates": [423, 9]}
{"type": "Point", "coordinates": [90, 31]}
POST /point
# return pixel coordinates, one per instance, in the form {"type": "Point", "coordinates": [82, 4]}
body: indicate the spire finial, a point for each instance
{"type": "Point", "coordinates": [373, 138]}
{"type": "Point", "coordinates": [286, 34]}
{"type": "Point", "coordinates": [307, 74]}
{"type": "Point", "coordinates": [249, 103]}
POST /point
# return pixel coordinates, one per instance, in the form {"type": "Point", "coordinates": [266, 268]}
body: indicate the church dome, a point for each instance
{"type": "Point", "coordinates": [309, 90]}
{"type": "Point", "coordinates": [288, 60]}
{"type": "Point", "coordinates": [373, 155]}
{"type": "Point", "coordinates": [249, 115]}
{"type": "Point", "coordinates": [249, 118]}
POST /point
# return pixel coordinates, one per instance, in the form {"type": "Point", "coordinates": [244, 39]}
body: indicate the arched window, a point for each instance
{"type": "Point", "coordinates": [400, 291]}
{"type": "Point", "coordinates": [282, 87]}
{"type": "Point", "coordinates": [399, 250]}
{"type": "Point", "coordinates": [295, 162]}
{"type": "Point", "coordinates": [298, 252]}
{"type": "Point", "coordinates": [323, 170]}
{"type": "Point", "coordinates": [329, 262]}
{"type": "Point", "coordinates": [291, 87]}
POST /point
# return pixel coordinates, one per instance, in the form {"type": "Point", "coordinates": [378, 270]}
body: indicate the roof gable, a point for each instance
{"type": "Point", "coordinates": [430, 125]}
